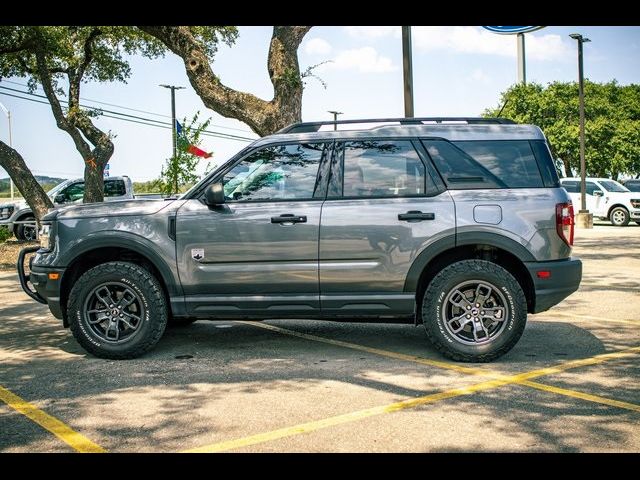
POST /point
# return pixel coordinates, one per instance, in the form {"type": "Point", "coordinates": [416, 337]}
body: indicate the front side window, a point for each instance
{"type": "Point", "coordinates": [382, 169]}
{"type": "Point", "coordinates": [275, 173]}
{"type": "Point", "coordinates": [591, 187]}
{"type": "Point", "coordinates": [613, 186]}
{"type": "Point", "coordinates": [73, 192]}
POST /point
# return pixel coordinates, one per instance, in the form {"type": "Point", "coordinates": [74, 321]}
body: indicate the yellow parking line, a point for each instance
{"type": "Point", "coordinates": [376, 351]}
{"type": "Point", "coordinates": [65, 433]}
{"type": "Point", "coordinates": [345, 418]}
{"type": "Point", "coordinates": [499, 381]}
{"type": "Point", "coordinates": [583, 396]}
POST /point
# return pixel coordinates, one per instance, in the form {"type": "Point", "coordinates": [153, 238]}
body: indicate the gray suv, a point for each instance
{"type": "Point", "coordinates": [458, 224]}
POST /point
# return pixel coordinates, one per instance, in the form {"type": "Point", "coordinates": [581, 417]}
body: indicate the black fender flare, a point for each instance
{"type": "Point", "coordinates": [471, 238]}
{"type": "Point", "coordinates": [133, 242]}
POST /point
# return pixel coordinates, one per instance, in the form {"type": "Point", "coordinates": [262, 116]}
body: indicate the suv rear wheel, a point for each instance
{"type": "Point", "coordinates": [474, 311]}
{"type": "Point", "coordinates": [619, 217]}
{"type": "Point", "coordinates": [117, 310]}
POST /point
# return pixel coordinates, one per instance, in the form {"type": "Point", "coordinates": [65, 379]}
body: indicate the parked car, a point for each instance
{"type": "Point", "coordinates": [606, 199]}
{"type": "Point", "coordinates": [632, 184]}
{"type": "Point", "coordinates": [69, 191]}
{"type": "Point", "coordinates": [460, 226]}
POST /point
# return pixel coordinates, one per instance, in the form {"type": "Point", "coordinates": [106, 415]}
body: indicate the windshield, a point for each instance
{"type": "Point", "coordinates": [55, 190]}
{"type": "Point", "coordinates": [613, 186]}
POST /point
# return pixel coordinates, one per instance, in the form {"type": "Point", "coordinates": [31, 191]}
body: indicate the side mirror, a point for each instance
{"type": "Point", "coordinates": [59, 198]}
{"type": "Point", "coordinates": [214, 195]}
{"type": "Point", "coordinates": [598, 193]}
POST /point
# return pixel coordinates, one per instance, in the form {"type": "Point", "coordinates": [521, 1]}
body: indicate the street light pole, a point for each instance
{"type": "Point", "coordinates": [173, 116]}
{"type": "Point", "coordinates": [335, 118]}
{"type": "Point", "coordinates": [585, 219]}
{"type": "Point", "coordinates": [407, 69]}
{"type": "Point", "coordinates": [7, 112]}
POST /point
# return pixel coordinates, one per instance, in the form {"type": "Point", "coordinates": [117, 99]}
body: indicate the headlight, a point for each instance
{"type": "Point", "coordinates": [6, 212]}
{"type": "Point", "coordinates": [635, 203]}
{"type": "Point", "coordinates": [45, 237]}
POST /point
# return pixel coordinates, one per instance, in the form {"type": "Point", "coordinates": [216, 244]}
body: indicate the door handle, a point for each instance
{"type": "Point", "coordinates": [289, 218]}
{"type": "Point", "coordinates": [416, 216]}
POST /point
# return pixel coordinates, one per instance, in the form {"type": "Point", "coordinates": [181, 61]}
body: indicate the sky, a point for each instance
{"type": "Point", "coordinates": [458, 71]}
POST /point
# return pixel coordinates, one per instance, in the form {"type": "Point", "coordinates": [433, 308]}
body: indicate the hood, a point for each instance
{"type": "Point", "coordinates": [112, 209]}
{"type": "Point", "coordinates": [16, 204]}
{"type": "Point", "coordinates": [623, 195]}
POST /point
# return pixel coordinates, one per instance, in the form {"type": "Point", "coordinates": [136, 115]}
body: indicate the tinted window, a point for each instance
{"type": "Point", "coordinates": [114, 188]}
{"type": "Point", "coordinates": [633, 186]}
{"type": "Point", "coordinates": [511, 161]}
{"type": "Point", "coordinates": [613, 186]}
{"type": "Point", "coordinates": [73, 192]}
{"type": "Point", "coordinates": [275, 173]}
{"type": "Point", "coordinates": [459, 170]}
{"type": "Point", "coordinates": [571, 187]}
{"type": "Point", "coordinates": [590, 188]}
{"type": "Point", "coordinates": [382, 169]}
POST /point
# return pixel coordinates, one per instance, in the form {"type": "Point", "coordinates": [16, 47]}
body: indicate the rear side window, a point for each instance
{"type": "Point", "coordinates": [383, 168]}
{"type": "Point", "coordinates": [512, 162]}
{"type": "Point", "coordinates": [571, 186]}
{"type": "Point", "coordinates": [486, 164]}
{"type": "Point", "coordinates": [114, 188]}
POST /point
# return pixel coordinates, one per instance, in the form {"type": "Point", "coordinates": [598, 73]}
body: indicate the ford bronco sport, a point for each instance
{"type": "Point", "coordinates": [458, 224]}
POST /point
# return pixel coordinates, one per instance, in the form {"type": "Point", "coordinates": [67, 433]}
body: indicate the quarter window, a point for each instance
{"type": "Point", "coordinates": [275, 173]}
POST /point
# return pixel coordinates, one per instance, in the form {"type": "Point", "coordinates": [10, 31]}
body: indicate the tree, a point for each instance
{"type": "Point", "coordinates": [60, 56]}
{"type": "Point", "coordinates": [612, 126]}
{"type": "Point", "coordinates": [263, 117]}
{"type": "Point", "coordinates": [179, 170]}
{"type": "Point", "coordinates": [31, 190]}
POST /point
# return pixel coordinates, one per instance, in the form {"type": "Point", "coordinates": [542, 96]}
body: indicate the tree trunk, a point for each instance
{"type": "Point", "coordinates": [28, 186]}
{"type": "Point", "coordinates": [567, 167]}
{"type": "Point", "coordinates": [93, 183]}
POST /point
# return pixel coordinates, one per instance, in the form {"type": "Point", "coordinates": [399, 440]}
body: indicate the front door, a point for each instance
{"type": "Point", "coordinates": [382, 209]}
{"type": "Point", "coordinates": [258, 253]}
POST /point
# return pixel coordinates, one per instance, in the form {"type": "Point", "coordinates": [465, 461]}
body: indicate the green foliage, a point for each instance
{"type": "Point", "coordinates": [5, 233]}
{"type": "Point", "coordinates": [179, 171]}
{"type": "Point", "coordinates": [612, 123]}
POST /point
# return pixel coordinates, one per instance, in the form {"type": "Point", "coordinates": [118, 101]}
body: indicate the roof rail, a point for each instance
{"type": "Point", "coordinates": [305, 127]}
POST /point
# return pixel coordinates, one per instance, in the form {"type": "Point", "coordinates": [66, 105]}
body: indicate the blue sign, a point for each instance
{"type": "Point", "coordinates": [511, 30]}
{"type": "Point", "coordinates": [106, 170]}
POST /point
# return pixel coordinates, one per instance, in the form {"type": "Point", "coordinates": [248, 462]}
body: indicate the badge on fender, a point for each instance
{"type": "Point", "coordinates": [197, 253]}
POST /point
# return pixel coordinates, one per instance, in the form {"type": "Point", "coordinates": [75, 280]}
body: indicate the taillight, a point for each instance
{"type": "Point", "coordinates": [564, 222]}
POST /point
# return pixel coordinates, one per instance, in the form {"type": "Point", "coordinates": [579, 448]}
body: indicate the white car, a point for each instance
{"type": "Point", "coordinates": [606, 199]}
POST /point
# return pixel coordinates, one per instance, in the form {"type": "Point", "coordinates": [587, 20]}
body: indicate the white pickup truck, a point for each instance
{"type": "Point", "coordinates": [606, 199]}
{"type": "Point", "coordinates": [70, 191]}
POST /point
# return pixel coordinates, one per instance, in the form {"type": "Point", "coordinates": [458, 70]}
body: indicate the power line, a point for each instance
{"type": "Point", "coordinates": [159, 124]}
{"type": "Point", "coordinates": [133, 109]}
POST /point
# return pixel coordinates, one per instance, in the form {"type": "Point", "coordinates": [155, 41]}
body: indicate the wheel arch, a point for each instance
{"type": "Point", "coordinates": [492, 247]}
{"type": "Point", "coordinates": [95, 251]}
{"type": "Point", "coordinates": [613, 207]}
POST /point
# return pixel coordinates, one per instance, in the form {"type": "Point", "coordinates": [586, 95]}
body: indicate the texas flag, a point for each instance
{"type": "Point", "coordinates": [186, 145]}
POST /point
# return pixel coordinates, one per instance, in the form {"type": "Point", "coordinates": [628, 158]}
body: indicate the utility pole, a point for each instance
{"type": "Point", "coordinates": [7, 112]}
{"type": "Point", "coordinates": [174, 142]}
{"type": "Point", "coordinates": [407, 69]}
{"type": "Point", "coordinates": [335, 118]}
{"type": "Point", "coordinates": [585, 219]}
{"type": "Point", "coordinates": [173, 116]}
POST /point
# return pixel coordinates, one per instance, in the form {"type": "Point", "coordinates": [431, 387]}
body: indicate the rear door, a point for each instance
{"type": "Point", "coordinates": [382, 209]}
{"type": "Point", "coordinates": [258, 253]}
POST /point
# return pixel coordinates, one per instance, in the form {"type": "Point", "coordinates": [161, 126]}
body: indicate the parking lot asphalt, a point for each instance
{"type": "Point", "coordinates": [572, 383]}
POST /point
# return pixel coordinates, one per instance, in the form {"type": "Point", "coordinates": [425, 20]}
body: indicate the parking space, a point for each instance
{"type": "Point", "coordinates": [571, 383]}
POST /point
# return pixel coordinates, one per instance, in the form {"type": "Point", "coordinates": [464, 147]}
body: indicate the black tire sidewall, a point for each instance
{"type": "Point", "coordinates": [138, 280]}
{"type": "Point", "coordinates": [459, 272]}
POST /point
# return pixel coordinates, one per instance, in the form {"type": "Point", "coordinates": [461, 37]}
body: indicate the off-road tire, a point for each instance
{"type": "Point", "coordinates": [140, 281]}
{"type": "Point", "coordinates": [433, 306]}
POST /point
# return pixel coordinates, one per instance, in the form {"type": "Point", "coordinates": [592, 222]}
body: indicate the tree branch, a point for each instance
{"type": "Point", "coordinates": [264, 117]}
{"type": "Point", "coordinates": [62, 122]}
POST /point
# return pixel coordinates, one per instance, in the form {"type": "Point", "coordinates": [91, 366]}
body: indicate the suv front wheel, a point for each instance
{"type": "Point", "coordinates": [474, 311]}
{"type": "Point", "coordinates": [619, 217]}
{"type": "Point", "coordinates": [117, 310]}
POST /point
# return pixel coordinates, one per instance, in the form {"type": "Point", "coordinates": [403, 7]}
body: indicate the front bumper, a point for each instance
{"type": "Point", "coordinates": [46, 289]}
{"type": "Point", "coordinates": [634, 214]}
{"type": "Point", "coordinates": [562, 280]}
